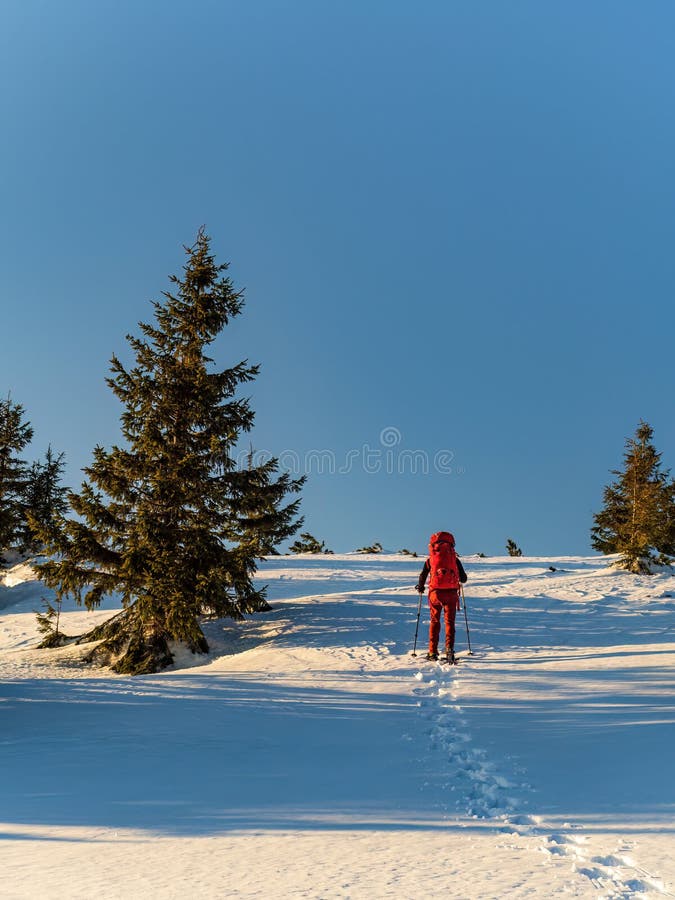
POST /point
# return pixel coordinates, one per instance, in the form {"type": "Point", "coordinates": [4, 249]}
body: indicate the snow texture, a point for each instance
{"type": "Point", "coordinates": [310, 756]}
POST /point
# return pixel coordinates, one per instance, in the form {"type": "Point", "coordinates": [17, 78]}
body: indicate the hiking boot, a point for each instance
{"type": "Point", "coordinates": [450, 656]}
{"type": "Point", "coordinates": [433, 656]}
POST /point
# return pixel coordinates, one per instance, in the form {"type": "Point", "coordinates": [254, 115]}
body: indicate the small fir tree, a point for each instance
{"type": "Point", "coordinates": [374, 548]}
{"type": "Point", "coordinates": [15, 434]}
{"type": "Point", "coordinates": [637, 520]}
{"type": "Point", "coordinates": [48, 625]}
{"type": "Point", "coordinates": [512, 548]}
{"type": "Point", "coordinates": [308, 544]}
{"type": "Point", "coordinates": [167, 519]}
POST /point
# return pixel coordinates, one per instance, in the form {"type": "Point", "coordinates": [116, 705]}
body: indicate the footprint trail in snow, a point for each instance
{"type": "Point", "coordinates": [482, 792]}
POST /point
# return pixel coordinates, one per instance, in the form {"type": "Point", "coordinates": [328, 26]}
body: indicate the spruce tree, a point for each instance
{"type": "Point", "coordinates": [44, 497]}
{"type": "Point", "coordinates": [373, 548]}
{"type": "Point", "coordinates": [307, 544]}
{"type": "Point", "coordinates": [167, 519]}
{"type": "Point", "coordinates": [637, 520]}
{"type": "Point", "coordinates": [48, 625]}
{"type": "Point", "coordinates": [15, 434]}
{"type": "Point", "coordinates": [512, 548]}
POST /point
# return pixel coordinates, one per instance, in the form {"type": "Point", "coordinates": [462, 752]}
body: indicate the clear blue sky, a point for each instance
{"type": "Point", "coordinates": [451, 218]}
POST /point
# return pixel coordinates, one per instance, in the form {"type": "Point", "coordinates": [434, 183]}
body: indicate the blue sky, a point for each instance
{"type": "Point", "coordinates": [451, 219]}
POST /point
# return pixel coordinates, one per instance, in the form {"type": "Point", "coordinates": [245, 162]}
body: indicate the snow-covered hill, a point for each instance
{"type": "Point", "coordinates": [310, 756]}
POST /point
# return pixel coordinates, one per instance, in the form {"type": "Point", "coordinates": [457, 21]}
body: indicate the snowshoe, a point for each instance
{"type": "Point", "coordinates": [432, 656]}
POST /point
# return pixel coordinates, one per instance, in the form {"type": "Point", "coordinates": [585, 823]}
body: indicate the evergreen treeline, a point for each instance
{"type": "Point", "coordinates": [31, 494]}
{"type": "Point", "coordinates": [166, 519]}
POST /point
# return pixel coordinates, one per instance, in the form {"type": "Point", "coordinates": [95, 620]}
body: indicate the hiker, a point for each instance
{"type": "Point", "coordinates": [447, 573]}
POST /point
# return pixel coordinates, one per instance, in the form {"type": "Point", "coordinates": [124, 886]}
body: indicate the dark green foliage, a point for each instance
{"type": "Point", "coordinates": [136, 646]}
{"type": "Point", "coordinates": [44, 498]}
{"type": "Point", "coordinates": [374, 548]}
{"type": "Point", "coordinates": [308, 544]}
{"type": "Point", "coordinates": [481, 556]}
{"type": "Point", "coordinates": [405, 552]}
{"type": "Point", "coordinates": [15, 435]}
{"type": "Point", "coordinates": [638, 516]}
{"type": "Point", "coordinates": [167, 519]}
{"type": "Point", "coordinates": [512, 548]}
{"type": "Point", "coordinates": [28, 493]}
{"type": "Point", "coordinates": [263, 521]}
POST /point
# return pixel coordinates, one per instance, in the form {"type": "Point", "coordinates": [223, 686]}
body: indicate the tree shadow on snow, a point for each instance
{"type": "Point", "coordinates": [203, 754]}
{"type": "Point", "coordinates": [205, 751]}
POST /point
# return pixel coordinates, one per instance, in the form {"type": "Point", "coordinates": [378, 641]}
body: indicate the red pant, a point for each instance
{"type": "Point", "coordinates": [447, 600]}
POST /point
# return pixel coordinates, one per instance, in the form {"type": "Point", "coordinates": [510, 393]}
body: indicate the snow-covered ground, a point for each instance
{"type": "Point", "coordinates": [310, 756]}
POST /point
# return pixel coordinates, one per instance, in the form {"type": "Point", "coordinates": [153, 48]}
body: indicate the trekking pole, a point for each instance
{"type": "Point", "coordinates": [466, 619]}
{"type": "Point", "coordinates": [419, 610]}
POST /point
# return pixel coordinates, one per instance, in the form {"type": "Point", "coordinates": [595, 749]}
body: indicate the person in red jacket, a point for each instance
{"type": "Point", "coordinates": [446, 573]}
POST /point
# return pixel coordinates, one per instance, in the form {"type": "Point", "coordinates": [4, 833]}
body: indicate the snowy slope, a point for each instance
{"type": "Point", "coordinates": [310, 756]}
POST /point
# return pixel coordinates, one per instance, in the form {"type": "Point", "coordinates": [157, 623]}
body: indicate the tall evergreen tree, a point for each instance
{"type": "Point", "coordinates": [15, 434]}
{"type": "Point", "coordinates": [44, 497]}
{"type": "Point", "coordinates": [638, 516]}
{"type": "Point", "coordinates": [168, 520]}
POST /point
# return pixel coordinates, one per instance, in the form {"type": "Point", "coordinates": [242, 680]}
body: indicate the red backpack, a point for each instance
{"type": "Point", "coordinates": [443, 562]}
